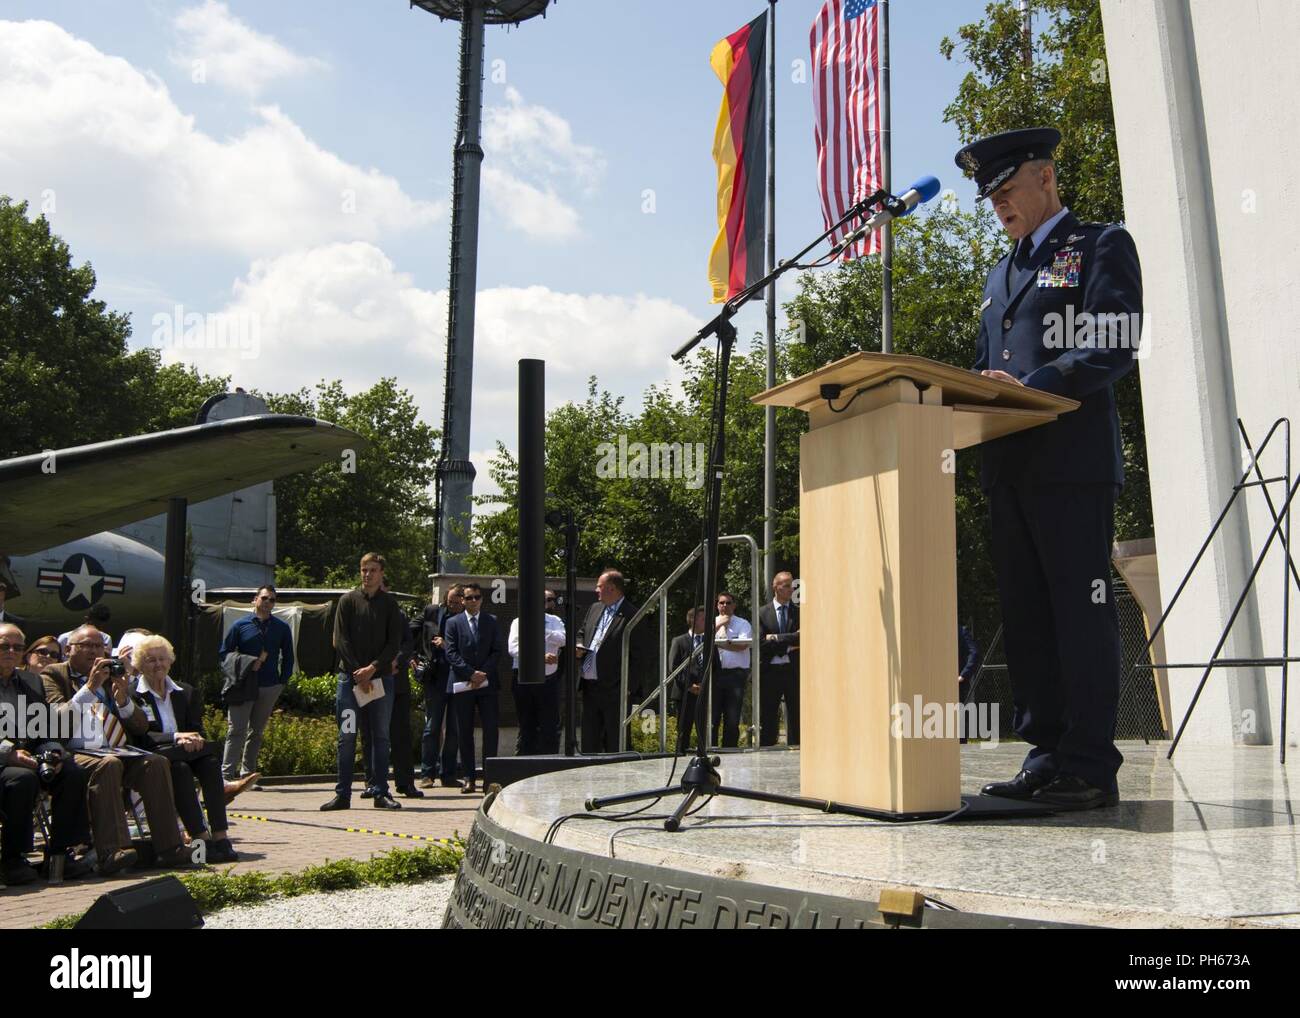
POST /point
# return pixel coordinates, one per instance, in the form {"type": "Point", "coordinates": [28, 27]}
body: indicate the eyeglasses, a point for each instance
{"type": "Point", "coordinates": [11, 648]}
{"type": "Point", "coordinates": [88, 643]}
{"type": "Point", "coordinates": [47, 651]}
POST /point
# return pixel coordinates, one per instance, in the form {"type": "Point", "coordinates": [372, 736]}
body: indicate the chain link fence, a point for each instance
{"type": "Point", "coordinates": [1139, 708]}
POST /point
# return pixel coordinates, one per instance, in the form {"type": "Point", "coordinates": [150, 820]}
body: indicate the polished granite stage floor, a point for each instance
{"type": "Point", "coordinates": [1208, 839]}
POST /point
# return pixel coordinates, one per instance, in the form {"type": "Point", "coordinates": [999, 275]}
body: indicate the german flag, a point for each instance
{"type": "Point", "coordinates": [740, 150]}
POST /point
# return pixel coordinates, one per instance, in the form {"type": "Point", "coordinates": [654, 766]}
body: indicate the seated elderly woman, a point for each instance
{"type": "Point", "coordinates": [41, 652]}
{"type": "Point", "coordinates": [175, 713]}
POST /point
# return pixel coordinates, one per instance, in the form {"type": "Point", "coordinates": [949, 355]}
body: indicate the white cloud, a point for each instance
{"type": "Point", "coordinates": [344, 311]}
{"type": "Point", "coordinates": [129, 169]}
{"type": "Point", "coordinates": [530, 158]}
{"type": "Point", "coordinates": [536, 140]}
{"type": "Point", "coordinates": [543, 215]}
{"type": "Point", "coordinates": [225, 51]}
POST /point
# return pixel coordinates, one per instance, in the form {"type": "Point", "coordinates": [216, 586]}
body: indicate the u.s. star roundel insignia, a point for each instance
{"type": "Point", "coordinates": [969, 162]}
{"type": "Point", "coordinates": [81, 582]}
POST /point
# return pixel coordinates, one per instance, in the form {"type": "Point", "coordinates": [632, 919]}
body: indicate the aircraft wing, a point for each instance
{"type": "Point", "coordinates": [54, 497]}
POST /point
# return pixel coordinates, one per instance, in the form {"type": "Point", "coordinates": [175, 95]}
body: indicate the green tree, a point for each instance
{"type": "Point", "coordinates": [1067, 87]}
{"type": "Point", "coordinates": [329, 516]}
{"type": "Point", "coordinates": [70, 376]}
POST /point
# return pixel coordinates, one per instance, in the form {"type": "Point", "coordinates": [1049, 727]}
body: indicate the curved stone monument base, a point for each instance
{"type": "Point", "coordinates": [1206, 841]}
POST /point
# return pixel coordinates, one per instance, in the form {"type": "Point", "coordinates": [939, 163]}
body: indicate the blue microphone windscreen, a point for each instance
{"type": "Point", "coordinates": [928, 186]}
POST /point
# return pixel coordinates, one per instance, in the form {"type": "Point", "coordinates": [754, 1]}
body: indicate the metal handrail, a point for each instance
{"type": "Point", "coordinates": [659, 599]}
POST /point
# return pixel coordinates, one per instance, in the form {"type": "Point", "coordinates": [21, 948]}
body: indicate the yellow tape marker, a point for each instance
{"type": "Point", "coordinates": [350, 830]}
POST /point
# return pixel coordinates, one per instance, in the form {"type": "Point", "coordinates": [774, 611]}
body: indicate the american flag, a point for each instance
{"type": "Point", "coordinates": [846, 108]}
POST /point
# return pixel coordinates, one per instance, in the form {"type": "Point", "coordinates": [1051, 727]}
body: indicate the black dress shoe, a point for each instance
{"type": "Point", "coordinates": [450, 783]}
{"type": "Point", "coordinates": [19, 871]}
{"type": "Point", "coordinates": [411, 792]}
{"type": "Point", "coordinates": [222, 851]}
{"type": "Point", "coordinates": [386, 802]}
{"type": "Point", "coordinates": [1022, 786]}
{"type": "Point", "coordinates": [338, 802]}
{"type": "Point", "coordinates": [369, 793]}
{"type": "Point", "coordinates": [1069, 792]}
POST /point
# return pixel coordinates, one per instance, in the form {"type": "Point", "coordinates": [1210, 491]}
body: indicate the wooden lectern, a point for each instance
{"type": "Point", "coordinates": [878, 569]}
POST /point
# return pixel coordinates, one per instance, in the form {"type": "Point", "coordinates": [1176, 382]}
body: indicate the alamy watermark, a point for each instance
{"type": "Point", "coordinates": [181, 330]}
{"type": "Point", "coordinates": [921, 720]}
{"type": "Point", "coordinates": [1087, 330]}
{"type": "Point", "coordinates": [681, 460]}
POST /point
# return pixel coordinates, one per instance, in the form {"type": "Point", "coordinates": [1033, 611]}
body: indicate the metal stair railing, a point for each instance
{"type": "Point", "coordinates": [659, 599]}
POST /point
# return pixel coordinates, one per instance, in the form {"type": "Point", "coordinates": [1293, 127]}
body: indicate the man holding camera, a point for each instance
{"type": "Point", "coordinates": [27, 765]}
{"type": "Point", "coordinates": [95, 683]}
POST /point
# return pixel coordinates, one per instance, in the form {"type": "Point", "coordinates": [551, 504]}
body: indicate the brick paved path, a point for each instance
{"type": "Point", "coordinates": [293, 835]}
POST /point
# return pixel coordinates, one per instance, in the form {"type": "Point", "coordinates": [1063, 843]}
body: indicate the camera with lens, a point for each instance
{"type": "Point", "coordinates": [115, 668]}
{"type": "Point", "coordinates": [47, 764]}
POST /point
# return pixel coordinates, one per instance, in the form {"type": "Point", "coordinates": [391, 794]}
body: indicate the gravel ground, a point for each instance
{"type": "Point", "coordinates": [406, 907]}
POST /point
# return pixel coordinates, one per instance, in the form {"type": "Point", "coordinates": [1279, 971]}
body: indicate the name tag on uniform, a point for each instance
{"type": "Point", "coordinates": [987, 302]}
{"type": "Point", "coordinates": [1064, 270]}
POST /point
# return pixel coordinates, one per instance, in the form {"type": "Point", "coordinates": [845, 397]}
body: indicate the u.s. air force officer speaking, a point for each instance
{"type": "Point", "coordinates": [1056, 316]}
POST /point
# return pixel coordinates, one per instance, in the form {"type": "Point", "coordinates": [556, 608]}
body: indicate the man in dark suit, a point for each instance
{"type": "Point", "coordinates": [689, 647]}
{"type": "Point", "coordinates": [5, 590]}
{"type": "Point", "coordinates": [474, 645]}
{"type": "Point", "coordinates": [1059, 314]}
{"type": "Point", "coordinates": [20, 781]}
{"type": "Point", "coordinates": [600, 663]}
{"type": "Point", "coordinates": [438, 753]}
{"type": "Point", "coordinates": [778, 654]}
{"type": "Point", "coordinates": [968, 660]}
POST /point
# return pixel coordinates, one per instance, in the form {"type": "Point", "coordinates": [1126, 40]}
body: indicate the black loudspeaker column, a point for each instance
{"type": "Point", "coordinates": [161, 904]}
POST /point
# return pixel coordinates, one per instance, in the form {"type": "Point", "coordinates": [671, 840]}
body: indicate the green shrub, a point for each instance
{"type": "Point", "coordinates": [310, 694]}
{"type": "Point", "coordinates": [216, 889]}
{"type": "Point", "coordinates": [292, 744]}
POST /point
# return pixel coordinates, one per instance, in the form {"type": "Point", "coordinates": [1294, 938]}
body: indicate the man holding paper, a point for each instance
{"type": "Point", "coordinates": [474, 646]}
{"type": "Point", "coordinates": [368, 627]}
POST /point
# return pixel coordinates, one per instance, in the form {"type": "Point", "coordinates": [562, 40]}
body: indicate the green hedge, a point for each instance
{"type": "Point", "coordinates": [303, 694]}
{"type": "Point", "coordinates": [291, 745]}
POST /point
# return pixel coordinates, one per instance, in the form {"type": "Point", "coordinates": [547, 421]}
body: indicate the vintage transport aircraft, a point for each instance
{"type": "Point", "coordinates": [88, 525]}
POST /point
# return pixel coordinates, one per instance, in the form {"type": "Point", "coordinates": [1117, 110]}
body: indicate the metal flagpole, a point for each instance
{"type": "Point", "coordinates": [887, 239]}
{"type": "Point", "coordinates": [769, 415]}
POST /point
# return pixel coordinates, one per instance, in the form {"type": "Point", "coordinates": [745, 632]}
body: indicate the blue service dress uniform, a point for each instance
{"type": "Point", "coordinates": [1052, 489]}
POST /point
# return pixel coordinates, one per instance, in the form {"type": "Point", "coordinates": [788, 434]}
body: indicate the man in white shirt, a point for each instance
{"type": "Point", "coordinates": [732, 641]}
{"type": "Point", "coordinates": [538, 706]}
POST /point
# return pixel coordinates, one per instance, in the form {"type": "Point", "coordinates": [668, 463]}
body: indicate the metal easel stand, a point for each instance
{"type": "Point", "coordinates": [1281, 525]}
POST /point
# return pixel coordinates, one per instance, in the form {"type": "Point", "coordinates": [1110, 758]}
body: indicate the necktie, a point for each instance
{"type": "Point", "coordinates": [473, 627]}
{"type": "Point", "coordinates": [113, 734]}
{"type": "Point", "coordinates": [589, 660]}
{"type": "Point", "coordinates": [780, 618]}
{"type": "Point", "coordinates": [1023, 253]}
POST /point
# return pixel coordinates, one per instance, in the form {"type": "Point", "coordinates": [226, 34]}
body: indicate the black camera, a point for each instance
{"type": "Point", "coordinates": [47, 764]}
{"type": "Point", "coordinates": [115, 668]}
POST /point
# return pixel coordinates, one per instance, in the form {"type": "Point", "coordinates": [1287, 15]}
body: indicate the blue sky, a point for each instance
{"type": "Point", "coordinates": [288, 164]}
